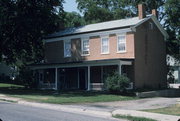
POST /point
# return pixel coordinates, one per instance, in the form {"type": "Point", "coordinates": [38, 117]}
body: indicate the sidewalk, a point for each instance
{"type": "Point", "coordinates": [89, 110]}
{"type": "Point", "coordinates": [159, 117]}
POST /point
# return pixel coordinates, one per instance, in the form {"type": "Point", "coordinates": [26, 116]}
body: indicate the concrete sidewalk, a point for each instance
{"type": "Point", "coordinates": [159, 117]}
{"type": "Point", "coordinates": [93, 111]}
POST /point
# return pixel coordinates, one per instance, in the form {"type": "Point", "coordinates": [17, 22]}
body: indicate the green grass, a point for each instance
{"type": "Point", "coordinates": [74, 98]}
{"type": "Point", "coordinates": [172, 110]}
{"type": "Point", "coordinates": [133, 118]}
{"type": "Point", "coordinates": [4, 85]}
{"type": "Point", "coordinates": [50, 96]}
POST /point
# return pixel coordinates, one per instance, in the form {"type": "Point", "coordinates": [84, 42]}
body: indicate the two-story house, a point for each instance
{"type": "Point", "coordinates": [82, 57]}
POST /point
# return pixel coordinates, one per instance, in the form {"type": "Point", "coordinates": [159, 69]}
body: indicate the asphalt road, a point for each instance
{"type": "Point", "coordinates": [16, 112]}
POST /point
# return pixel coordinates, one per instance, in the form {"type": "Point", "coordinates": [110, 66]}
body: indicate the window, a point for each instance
{"type": "Point", "coordinates": [105, 45]}
{"type": "Point", "coordinates": [67, 48]}
{"type": "Point", "coordinates": [85, 46]}
{"type": "Point", "coordinates": [121, 43]}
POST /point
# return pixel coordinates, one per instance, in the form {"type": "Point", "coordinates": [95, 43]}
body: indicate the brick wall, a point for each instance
{"type": "Point", "coordinates": [54, 51]}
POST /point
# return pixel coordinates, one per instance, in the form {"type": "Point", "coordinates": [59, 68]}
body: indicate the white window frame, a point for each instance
{"type": "Point", "coordinates": [82, 47]}
{"type": "Point", "coordinates": [65, 53]}
{"type": "Point", "coordinates": [121, 51]}
{"type": "Point", "coordinates": [105, 37]}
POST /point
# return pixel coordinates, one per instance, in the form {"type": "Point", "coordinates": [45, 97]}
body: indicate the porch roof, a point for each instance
{"type": "Point", "coordinates": [80, 63]}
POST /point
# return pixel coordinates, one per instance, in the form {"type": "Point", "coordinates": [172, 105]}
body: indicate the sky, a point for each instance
{"type": "Point", "coordinates": [70, 5]}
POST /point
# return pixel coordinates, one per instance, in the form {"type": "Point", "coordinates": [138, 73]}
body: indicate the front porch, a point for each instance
{"type": "Point", "coordinates": [82, 76]}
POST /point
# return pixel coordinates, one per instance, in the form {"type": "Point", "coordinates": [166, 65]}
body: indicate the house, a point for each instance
{"type": "Point", "coordinates": [7, 71]}
{"type": "Point", "coordinates": [82, 57]}
{"type": "Point", "coordinates": [175, 66]}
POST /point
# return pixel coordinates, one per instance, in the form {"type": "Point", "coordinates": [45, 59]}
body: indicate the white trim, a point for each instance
{"type": "Point", "coordinates": [65, 55]}
{"type": "Point", "coordinates": [105, 37]}
{"type": "Point", "coordinates": [97, 84]}
{"type": "Point", "coordinates": [84, 39]}
{"type": "Point", "coordinates": [88, 35]}
{"type": "Point", "coordinates": [123, 51]}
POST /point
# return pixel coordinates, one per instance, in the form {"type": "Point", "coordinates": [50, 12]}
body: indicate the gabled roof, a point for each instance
{"type": "Point", "coordinates": [99, 26]}
{"type": "Point", "coordinates": [159, 26]}
{"type": "Point", "coordinates": [115, 24]}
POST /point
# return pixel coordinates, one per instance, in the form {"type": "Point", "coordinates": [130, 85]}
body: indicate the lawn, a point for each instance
{"type": "Point", "coordinates": [133, 118]}
{"type": "Point", "coordinates": [4, 85]}
{"type": "Point", "coordinates": [172, 110]}
{"type": "Point", "coordinates": [51, 96]}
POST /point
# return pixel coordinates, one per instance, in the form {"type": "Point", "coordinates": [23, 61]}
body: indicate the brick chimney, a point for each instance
{"type": "Point", "coordinates": [155, 12]}
{"type": "Point", "coordinates": [141, 11]}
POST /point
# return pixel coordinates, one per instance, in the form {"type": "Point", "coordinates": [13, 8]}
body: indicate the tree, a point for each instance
{"type": "Point", "coordinates": [23, 23]}
{"type": "Point", "coordinates": [73, 19]}
{"type": "Point", "coordinates": [104, 10]}
{"type": "Point", "coordinates": [98, 10]}
{"type": "Point", "coordinates": [172, 24]}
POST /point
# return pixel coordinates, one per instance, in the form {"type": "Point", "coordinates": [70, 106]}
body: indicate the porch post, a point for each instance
{"type": "Point", "coordinates": [101, 74]}
{"type": "Point", "coordinates": [179, 74]}
{"type": "Point", "coordinates": [78, 77]}
{"type": "Point", "coordinates": [120, 68]}
{"type": "Point", "coordinates": [89, 78]}
{"type": "Point", "coordinates": [56, 79]}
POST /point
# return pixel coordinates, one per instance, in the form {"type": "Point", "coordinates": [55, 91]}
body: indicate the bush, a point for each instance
{"type": "Point", "coordinates": [117, 83]}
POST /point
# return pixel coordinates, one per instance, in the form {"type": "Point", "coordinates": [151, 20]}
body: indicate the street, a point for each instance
{"type": "Point", "coordinates": [16, 112]}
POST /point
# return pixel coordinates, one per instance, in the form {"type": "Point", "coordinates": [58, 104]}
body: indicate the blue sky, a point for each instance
{"type": "Point", "coordinates": [70, 5]}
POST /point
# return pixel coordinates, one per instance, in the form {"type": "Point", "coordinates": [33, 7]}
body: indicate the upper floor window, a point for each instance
{"type": "Point", "coordinates": [67, 48]}
{"type": "Point", "coordinates": [121, 43]}
{"type": "Point", "coordinates": [85, 46]}
{"type": "Point", "coordinates": [104, 45]}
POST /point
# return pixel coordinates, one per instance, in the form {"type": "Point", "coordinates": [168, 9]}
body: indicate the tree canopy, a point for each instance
{"type": "Point", "coordinates": [73, 19]}
{"type": "Point", "coordinates": [172, 24]}
{"type": "Point", "coordinates": [105, 10]}
{"type": "Point", "coordinates": [23, 23]}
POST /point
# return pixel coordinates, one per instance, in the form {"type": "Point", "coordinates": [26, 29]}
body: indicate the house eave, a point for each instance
{"type": "Point", "coordinates": [90, 34]}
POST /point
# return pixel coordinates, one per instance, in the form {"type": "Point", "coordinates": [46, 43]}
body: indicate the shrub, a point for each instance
{"type": "Point", "coordinates": [116, 83]}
